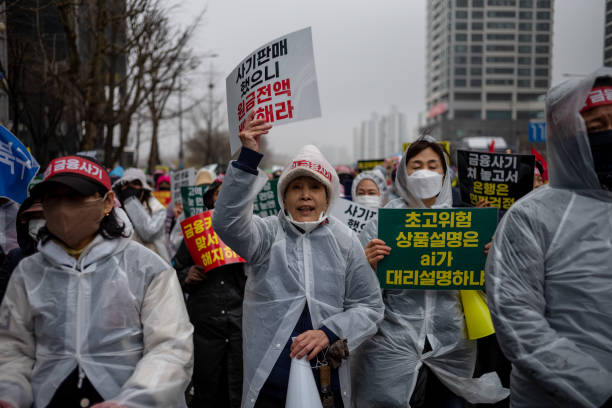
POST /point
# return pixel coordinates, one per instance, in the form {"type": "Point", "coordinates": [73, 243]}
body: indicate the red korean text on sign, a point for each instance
{"type": "Point", "coordinates": [205, 246]}
{"type": "Point", "coordinates": [260, 99]}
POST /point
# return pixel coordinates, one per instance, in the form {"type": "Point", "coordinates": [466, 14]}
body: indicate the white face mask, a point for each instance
{"type": "Point", "coordinates": [425, 183]}
{"type": "Point", "coordinates": [34, 226]}
{"type": "Point", "coordinates": [370, 201]}
{"type": "Point", "coordinates": [307, 226]}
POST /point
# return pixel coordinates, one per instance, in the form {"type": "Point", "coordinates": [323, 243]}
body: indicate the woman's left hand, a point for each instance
{"type": "Point", "coordinates": [310, 342]}
{"type": "Point", "coordinates": [178, 209]}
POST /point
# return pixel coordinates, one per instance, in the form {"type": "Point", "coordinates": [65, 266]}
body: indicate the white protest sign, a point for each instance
{"type": "Point", "coordinates": [278, 81]}
{"type": "Point", "coordinates": [353, 215]}
{"type": "Point", "coordinates": [180, 179]}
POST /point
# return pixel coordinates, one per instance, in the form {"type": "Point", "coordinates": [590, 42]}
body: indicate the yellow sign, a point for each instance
{"type": "Point", "coordinates": [365, 165]}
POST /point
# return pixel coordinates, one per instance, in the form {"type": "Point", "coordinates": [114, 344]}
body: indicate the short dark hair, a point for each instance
{"type": "Point", "coordinates": [602, 81]}
{"type": "Point", "coordinates": [422, 144]}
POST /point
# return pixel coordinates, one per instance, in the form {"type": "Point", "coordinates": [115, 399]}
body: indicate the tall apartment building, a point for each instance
{"type": "Point", "coordinates": [608, 35]}
{"type": "Point", "coordinates": [488, 67]}
{"type": "Point", "coordinates": [380, 136]}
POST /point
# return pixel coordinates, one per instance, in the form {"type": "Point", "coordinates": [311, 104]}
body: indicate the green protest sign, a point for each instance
{"type": "Point", "coordinates": [193, 199]}
{"type": "Point", "coordinates": [435, 248]}
{"type": "Point", "coordinates": [266, 202]}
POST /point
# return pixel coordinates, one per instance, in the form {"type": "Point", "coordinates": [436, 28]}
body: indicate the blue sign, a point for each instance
{"type": "Point", "coordinates": [17, 167]}
{"type": "Point", "coordinates": [537, 132]}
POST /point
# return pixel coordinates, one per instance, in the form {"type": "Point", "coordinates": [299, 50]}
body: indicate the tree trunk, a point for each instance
{"type": "Point", "coordinates": [154, 152]}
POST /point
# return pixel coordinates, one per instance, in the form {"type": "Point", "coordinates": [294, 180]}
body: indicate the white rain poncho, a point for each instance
{"type": "Point", "coordinates": [549, 272]}
{"type": "Point", "coordinates": [386, 367]}
{"type": "Point", "coordinates": [149, 223]}
{"type": "Point", "coordinates": [117, 313]}
{"type": "Point", "coordinates": [377, 175]}
{"type": "Point", "coordinates": [326, 268]}
{"type": "Point", "coordinates": [8, 231]}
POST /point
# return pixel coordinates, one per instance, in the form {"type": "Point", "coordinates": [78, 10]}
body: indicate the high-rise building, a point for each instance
{"type": "Point", "coordinates": [488, 67]}
{"type": "Point", "coordinates": [380, 136]}
{"type": "Point", "coordinates": [608, 35]}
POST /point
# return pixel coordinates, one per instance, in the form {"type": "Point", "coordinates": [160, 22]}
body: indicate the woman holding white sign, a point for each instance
{"type": "Point", "coordinates": [309, 284]}
{"type": "Point", "coordinates": [421, 356]}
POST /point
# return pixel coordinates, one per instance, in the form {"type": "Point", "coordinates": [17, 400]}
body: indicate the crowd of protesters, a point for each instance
{"type": "Point", "coordinates": [103, 305]}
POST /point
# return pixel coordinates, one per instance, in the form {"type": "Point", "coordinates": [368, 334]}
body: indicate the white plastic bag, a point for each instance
{"type": "Point", "coordinates": [302, 391]}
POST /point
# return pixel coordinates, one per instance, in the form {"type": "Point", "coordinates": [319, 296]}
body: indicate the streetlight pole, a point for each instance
{"type": "Point", "coordinates": [180, 101]}
{"type": "Point", "coordinates": [211, 87]}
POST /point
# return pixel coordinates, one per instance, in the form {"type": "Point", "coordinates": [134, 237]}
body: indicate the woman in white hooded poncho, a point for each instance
{"type": "Point", "coordinates": [300, 272]}
{"type": "Point", "coordinates": [147, 214]}
{"type": "Point", "coordinates": [422, 338]}
{"type": "Point", "coordinates": [369, 187]}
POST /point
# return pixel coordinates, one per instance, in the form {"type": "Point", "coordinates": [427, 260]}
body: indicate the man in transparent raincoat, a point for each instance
{"type": "Point", "coordinates": [549, 272]}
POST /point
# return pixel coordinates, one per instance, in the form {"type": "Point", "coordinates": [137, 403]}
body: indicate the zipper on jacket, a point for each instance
{"type": "Point", "coordinates": [79, 313]}
{"type": "Point", "coordinates": [427, 318]}
{"type": "Point", "coordinates": [307, 266]}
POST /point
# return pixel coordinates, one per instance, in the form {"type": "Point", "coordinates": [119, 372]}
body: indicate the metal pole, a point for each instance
{"type": "Point", "coordinates": [181, 165]}
{"type": "Point", "coordinates": [211, 86]}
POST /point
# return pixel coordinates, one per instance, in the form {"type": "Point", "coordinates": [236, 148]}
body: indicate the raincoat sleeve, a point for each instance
{"type": "Point", "coordinates": [163, 373]}
{"type": "Point", "coordinates": [17, 345]}
{"type": "Point", "coordinates": [175, 237]}
{"type": "Point", "coordinates": [247, 234]}
{"type": "Point", "coordinates": [147, 226]}
{"type": "Point", "coordinates": [369, 232]}
{"type": "Point", "coordinates": [363, 305]}
{"type": "Point", "coordinates": [515, 289]}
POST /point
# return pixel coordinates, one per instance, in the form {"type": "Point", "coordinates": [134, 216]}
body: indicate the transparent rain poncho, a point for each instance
{"type": "Point", "coordinates": [377, 175]}
{"type": "Point", "coordinates": [386, 367]}
{"type": "Point", "coordinates": [549, 272]}
{"type": "Point", "coordinates": [149, 223]}
{"type": "Point", "coordinates": [325, 268]}
{"type": "Point", "coordinates": [117, 314]}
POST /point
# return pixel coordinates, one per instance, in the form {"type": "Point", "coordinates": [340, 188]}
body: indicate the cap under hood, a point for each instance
{"type": "Point", "coordinates": [570, 161]}
{"type": "Point", "coordinates": [309, 162]}
{"type": "Point", "coordinates": [444, 199]}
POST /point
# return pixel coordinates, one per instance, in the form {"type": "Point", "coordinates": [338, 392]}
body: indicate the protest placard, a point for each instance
{"type": "Point", "coordinates": [277, 81]}
{"type": "Point", "coordinates": [266, 203]}
{"type": "Point", "coordinates": [499, 178]}
{"type": "Point", "coordinates": [353, 215]}
{"type": "Point", "coordinates": [164, 197]}
{"type": "Point", "coordinates": [205, 246]}
{"type": "Point", "coordinates": [435, 248]}
{"type": "Point", "coordinates": [193, 199]}
{"type": "Point", "coordinates": [18, 167]}
{"type": "Point", "coordinates": [181, 178]}
{"type": "Point", "coordinates": [365, 165]}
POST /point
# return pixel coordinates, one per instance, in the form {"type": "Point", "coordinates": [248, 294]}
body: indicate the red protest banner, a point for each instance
{"type": "Point", "coordinates": [205, 247]}
{"type": "Point", "coordinates": [163, 197]}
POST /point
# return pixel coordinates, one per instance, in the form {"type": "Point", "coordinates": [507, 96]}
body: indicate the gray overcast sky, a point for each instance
{"type": "Point", "coordinates": [368, 56]}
